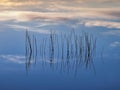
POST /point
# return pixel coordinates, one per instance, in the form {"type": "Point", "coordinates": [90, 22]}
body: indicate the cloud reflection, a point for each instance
{"type": "Point", "coordinates": [115, 44]}
{"type": "Point", "coordinates": [14, 58]}
{"type": "Point", "coordinates": [103, 13]}
{"type": "Point", "coordinates": [106, 24]}
{"type": "Point", "coordinates": [25, 4]}
{"type": "Point", "coordinates": [112, 32]}
{"type": "Point", "coordinates": [57, 16]}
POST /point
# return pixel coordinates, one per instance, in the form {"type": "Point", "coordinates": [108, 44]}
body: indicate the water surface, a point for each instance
{"type": "Point", "coordinates": [75, 45]}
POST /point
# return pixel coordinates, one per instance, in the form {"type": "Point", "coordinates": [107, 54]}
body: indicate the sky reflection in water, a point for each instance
{"type": "Point", "coordinates": [99, 18]}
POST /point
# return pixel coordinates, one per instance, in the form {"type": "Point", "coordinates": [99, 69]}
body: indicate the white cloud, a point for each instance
{"type": "Point", "coordinates": [98, 23]}
{"type": "Point", "coordinates": [25, 16]}
{"type": "Point", "coordinates": [112, 32]}
{"type": "Point", "coordinates": [92, 17]}
{"type": "Point", "coordinates": [20, 59]}
{"type": "Point", "coordinates": [115, 44]}
{"type": "Point", "coordinates": [14, 58]}
{"type": "Point", "coordinates": [29, 28]}
{"type": "Point", "coordinates": [17, 26]}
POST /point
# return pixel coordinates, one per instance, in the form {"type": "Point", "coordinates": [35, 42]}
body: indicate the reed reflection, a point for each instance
{"type": "Point", "coordinates": [66, 52]}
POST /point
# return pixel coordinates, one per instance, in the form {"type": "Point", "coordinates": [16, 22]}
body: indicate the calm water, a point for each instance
{"type": "Point", "coordinates": [59, 44]}
{"type": "Point", "coordinates": [41, 74]}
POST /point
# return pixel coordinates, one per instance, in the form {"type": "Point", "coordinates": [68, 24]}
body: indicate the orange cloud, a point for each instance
{"type": "Point", "coordinates": [53, 4]}
{"type": "Point", "coordinates": [12, 3]}
{"type": "Point", "coordinates": [101, 23]}
{"type": "Point", "coordinates": [85, 13]}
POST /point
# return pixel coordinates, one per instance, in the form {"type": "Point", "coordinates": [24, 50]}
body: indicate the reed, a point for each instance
{"type": "Point", "coordinates": [72, 48]}
{"type": "Point", "coordinates": [28, 50]}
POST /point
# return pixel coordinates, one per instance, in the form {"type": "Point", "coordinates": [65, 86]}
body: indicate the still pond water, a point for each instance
{"type": "Point", "coordinates": [98, 69]}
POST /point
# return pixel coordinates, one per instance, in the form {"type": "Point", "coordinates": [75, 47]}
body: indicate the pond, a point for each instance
{"type": "Point", "coordinates": [43, 49]}
{"type": "Point", "coordinates": [100, 69]}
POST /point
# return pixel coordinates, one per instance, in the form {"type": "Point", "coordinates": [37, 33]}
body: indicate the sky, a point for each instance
{"type": "Point", "coordinates": [62, 10]}
{"type": "Point", "coordinates": [42, 15]}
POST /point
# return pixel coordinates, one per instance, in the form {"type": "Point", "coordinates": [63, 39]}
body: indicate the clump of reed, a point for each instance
{"type": "Point", "coordinates": [69, 50]}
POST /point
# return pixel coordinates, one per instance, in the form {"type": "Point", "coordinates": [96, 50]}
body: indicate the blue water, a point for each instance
{"type": "Point", "coordinates": [105, 75]}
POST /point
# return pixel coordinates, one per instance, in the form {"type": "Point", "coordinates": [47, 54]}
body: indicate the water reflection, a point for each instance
{"type": "Point", "coordinates": [66, 52]}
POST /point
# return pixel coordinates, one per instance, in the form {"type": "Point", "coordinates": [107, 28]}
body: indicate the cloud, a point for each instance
{"type": "Point", "coordinates": [25, 16]}
{"type": "Point", "coordinates": [115, 44]}
{"type": "Point", "coordinates": [18, 26]}
{"type": "Point", "coordinates": [50, 3]}
{"type": "Point", "coordinates": [27, 10]}
{"type": "Point", "coordinates": [14, 58]}
{"type": "Point", "coordinates": [112, 32]}
{"type": "Point", "coordinates": [29, 28]}
{"type": "Point", "coordinates": [16, 3]}
{"type": "Point", "coordinates": [19, 59]}
{"type": "Point", "coordinates": [54, 12]}
{"type": "Point", "coordinates": [99, 23]}
{"type": "Point", "coordinates": [44, 19]}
